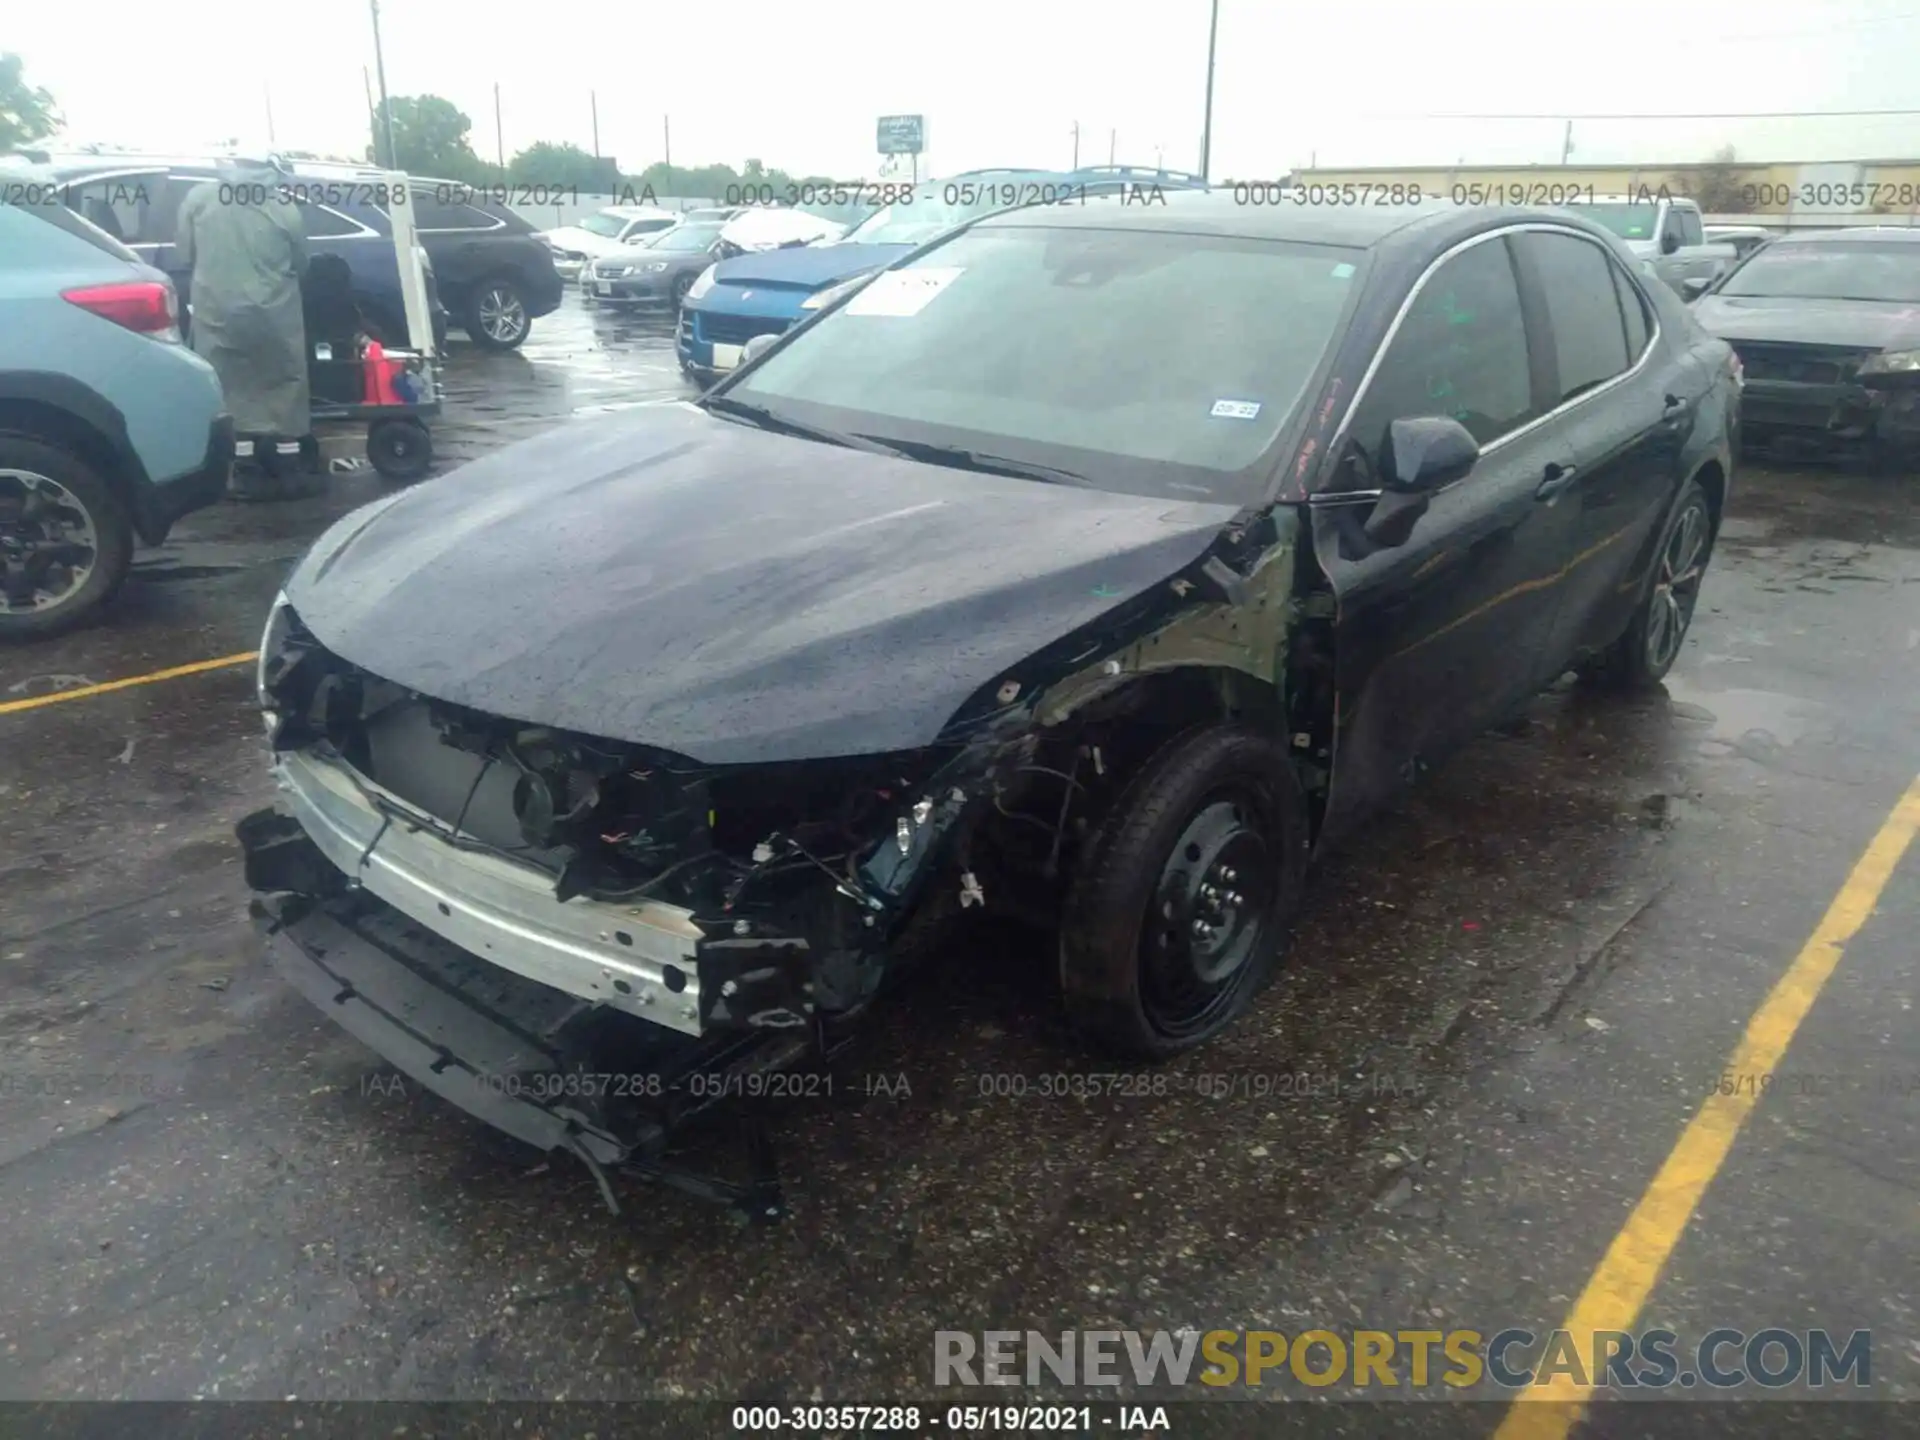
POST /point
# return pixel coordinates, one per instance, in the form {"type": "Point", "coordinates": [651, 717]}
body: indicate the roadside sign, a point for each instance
{"type": "Point", "coordinates": [903, 134]}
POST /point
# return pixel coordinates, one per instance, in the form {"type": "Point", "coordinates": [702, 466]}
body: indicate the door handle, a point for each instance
{"type": "Point", "coordinates": [1557, 478]}
{"type": "Point", "coordinates": [1674, 412]}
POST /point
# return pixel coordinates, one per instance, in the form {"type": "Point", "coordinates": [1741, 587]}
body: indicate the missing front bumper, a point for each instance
{"type": "Point", "coordinates": [642, 959]}
{"type": "Point", "coordinates": [551, 1070]}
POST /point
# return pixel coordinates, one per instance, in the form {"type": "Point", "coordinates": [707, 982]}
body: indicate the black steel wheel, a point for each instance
{"type": "Point", "coordinates": [66, 540]}
{"type": "Point", "coordinates": [1647, 648]}
{"type": "Point", "coordinates": [1185, 900]}
{"type": "Point", "coordinates": [400, 449]}
{"type": "Point", "coordinates": [497, 317]}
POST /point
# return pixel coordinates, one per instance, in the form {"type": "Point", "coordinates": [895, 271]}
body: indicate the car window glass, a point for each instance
{"type": "Point", "coordinates": [1583, 309]}
{"type": "Point", "coordinates": [1687, 225]}
{"type": "Point", "coordinates": [61, 218]}
{"type": "Point", "coordinates": [1633, 309]}
{"type": "Point", "coordinates": [639, 228]}
{"type": "Point", "coordinates": [432, 214]}
{"type": "Point", "coordinates": [1831, 270]}
{"type": "Point", "coordinates": [120, 206]}
{"type": "Point", "coordinates": [1461, 350]}
{"type": "Point", "coordinates": [322, 223]}
{"type": "Point", "coordinates": [1163, 362]}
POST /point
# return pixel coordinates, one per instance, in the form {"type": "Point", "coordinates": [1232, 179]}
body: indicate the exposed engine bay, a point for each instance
{"type": "Point", "coordinates": [587, 941]}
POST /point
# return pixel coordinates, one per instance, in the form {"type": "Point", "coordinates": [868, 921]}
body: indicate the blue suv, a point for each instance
{"type": "Point", "coordinates": [769, 292]}
{"type": "Point", "coordinates": [110, 428]}
{"type": "Point", "coordinates": [136, 200]}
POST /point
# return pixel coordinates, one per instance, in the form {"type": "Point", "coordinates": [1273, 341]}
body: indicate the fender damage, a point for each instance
{"type": "Point", "coordinates": [587, 941]}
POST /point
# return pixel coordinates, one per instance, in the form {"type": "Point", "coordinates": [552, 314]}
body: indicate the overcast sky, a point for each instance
{"type": "Point", "coordinates": [799, 83]}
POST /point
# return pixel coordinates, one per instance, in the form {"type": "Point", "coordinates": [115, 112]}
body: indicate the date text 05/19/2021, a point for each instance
{"type": "Point", "coordinates": [1106, 1419]}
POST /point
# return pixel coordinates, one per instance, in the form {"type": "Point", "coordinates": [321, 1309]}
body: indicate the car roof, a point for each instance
{"type": "Point", "coordinates": [1852, 235]}
{"type": "Point", "coordinates": [638, 212]}
{"type": "Point", "coordinates": [71, 165]}
{"type": "Point", "coordinates": [1220, 212]}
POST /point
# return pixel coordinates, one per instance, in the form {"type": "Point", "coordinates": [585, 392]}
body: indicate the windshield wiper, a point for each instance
{"type": "Point", "coordinates": [765, 419]}
{"type": "Point", "coordinates": [961, 459]}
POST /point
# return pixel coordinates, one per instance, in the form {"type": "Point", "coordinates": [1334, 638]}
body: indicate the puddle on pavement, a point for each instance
{"type": "Point", "coordinates": [1739, 719]}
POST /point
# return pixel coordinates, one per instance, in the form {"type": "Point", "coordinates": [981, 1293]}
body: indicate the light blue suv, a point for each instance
{"type": "Point", "coordinates": [110, 428]}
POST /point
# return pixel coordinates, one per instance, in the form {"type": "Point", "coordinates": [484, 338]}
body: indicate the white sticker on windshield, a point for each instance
{"type": "Point", "coordinates": [1343, 271]}
{"type": "Point", "coordinates": [903, 292]}
{"type": "Point", "coordinates": [1235, 409]}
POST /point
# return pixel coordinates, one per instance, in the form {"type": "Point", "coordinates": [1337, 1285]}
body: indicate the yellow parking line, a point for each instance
{"type": "Point", "coordinates": [59, 697]}
{"type": "Point", "coordinates": [1619, 1288]}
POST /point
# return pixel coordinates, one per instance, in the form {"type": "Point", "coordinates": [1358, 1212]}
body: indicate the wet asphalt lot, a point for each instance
{"type": "Point", "coordinates": [1505, 1003]}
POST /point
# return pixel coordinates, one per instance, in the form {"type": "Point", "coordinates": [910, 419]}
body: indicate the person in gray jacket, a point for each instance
{"type": "Point", "coordinates": [244, 242]}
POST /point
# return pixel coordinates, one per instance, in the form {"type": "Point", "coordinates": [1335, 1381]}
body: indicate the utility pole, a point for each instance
{"type": "Point", "coordinates": [499, 135]}
{"type": "Point", "coordinates": [593, 100]}
{"type": "Point", "coordinates": [1076, 145]}
{"type": "Point", "coordinates": [380, 67]}
{"type": "Point", "coordinates": [1566, 145]}
{"type": "Point", "coordinates": [1113, 141]}
{"type": "Point", "coordinates": [269, 93]}
{"type": "Point", "coordinates": [373, 116]}
{"type": "Point", "coordinates": [1206, 133]}
{"type": "Point", "coordinates": [666, 139]}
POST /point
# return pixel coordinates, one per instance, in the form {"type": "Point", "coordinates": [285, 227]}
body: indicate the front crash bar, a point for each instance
{"type": "Point", "coordinates": [483, 1039]}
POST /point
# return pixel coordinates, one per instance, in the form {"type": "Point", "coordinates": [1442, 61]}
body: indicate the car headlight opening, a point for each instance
{"type": "Point", "coordinates": [702, 285]}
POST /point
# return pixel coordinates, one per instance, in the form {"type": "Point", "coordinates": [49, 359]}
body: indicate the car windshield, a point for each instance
{"type": "Point", "coordinates": [1843, 271]}
{"type": "Point", "coordinates": [605, 223]}
{"type": "Point", "coordinates": [1149, 362]}
{"type": "Point", "coordinates": [1629, 219]}
{"type": "Point", "coordinates": [941, 205]}
{"type": "Point", "coordinates": [684, 239]}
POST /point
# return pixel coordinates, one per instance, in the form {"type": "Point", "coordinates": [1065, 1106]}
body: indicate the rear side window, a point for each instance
{"type": "Point", "coordinates": [1461, 351]}
{"type": "Point", "coordinates": [62, 218]}
{"type": "Point", "coordinates": [323, 223]}
{"type": "Point", "coordinates": [122, 206]}
{"type": "Point", "coordinates": [503, 215]}
{"type": "Point", "coordinates": [1684, 225]}
{"type": "Point", "coordinates": [432, 214]}
{"type": "Point", "coordinates": [1633, 309]}
{"type": "Point", "coordinates": [1575, 280]}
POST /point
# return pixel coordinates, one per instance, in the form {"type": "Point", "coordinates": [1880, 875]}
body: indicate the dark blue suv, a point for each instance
{"type": "Point", "coordinates": [768, 292]}
{"type": "Point", "coordinates": [485, 264]}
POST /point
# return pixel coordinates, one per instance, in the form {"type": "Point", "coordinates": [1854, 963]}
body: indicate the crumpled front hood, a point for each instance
{"type": "Point", "coordinates": [1866, 324]}
{"type": "Point", "coordinates": [666, 578]}
{"type": "Point", "coordinates": [806, 267]}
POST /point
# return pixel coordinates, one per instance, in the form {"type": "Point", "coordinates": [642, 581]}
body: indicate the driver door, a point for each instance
{"type": "Point", "coordinates": [1444, 634]}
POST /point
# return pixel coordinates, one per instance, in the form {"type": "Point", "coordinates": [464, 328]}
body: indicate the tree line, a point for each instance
{"type": "Point", "coordinates": [433, 136]}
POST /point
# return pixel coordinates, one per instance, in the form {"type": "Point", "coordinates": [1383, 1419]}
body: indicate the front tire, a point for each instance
{"type": "Point", "coordinates": [496, 316]}
{"type": "Point", "coordinates": [1185, 901]}
{"type": "Point", "coordinates": [66, 540]}
{"type": "Point", "coordinates": [1647, 648]}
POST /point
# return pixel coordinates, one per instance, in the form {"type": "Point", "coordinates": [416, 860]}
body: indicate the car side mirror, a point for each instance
{"type": "Point", "coordinates": [1669, 242]}
{"type": "Point", "coordinates": [1426, 453]}
{"type": "Point", "coordinates": [1694, 286]}
{"type": "Point", "coordinates": [1423, 454]}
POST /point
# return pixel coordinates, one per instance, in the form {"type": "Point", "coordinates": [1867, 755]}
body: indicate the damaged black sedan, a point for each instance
{"type": "Point", "coordinates": [1096, 564]}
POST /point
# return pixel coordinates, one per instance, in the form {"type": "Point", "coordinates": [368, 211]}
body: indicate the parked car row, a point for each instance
{"type": "Point", "coordinates": [767, 294]}
{"type": "Point", "coordinates": [488, 269]}
{"type": "Point", "coordinates": [1112, 631]}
